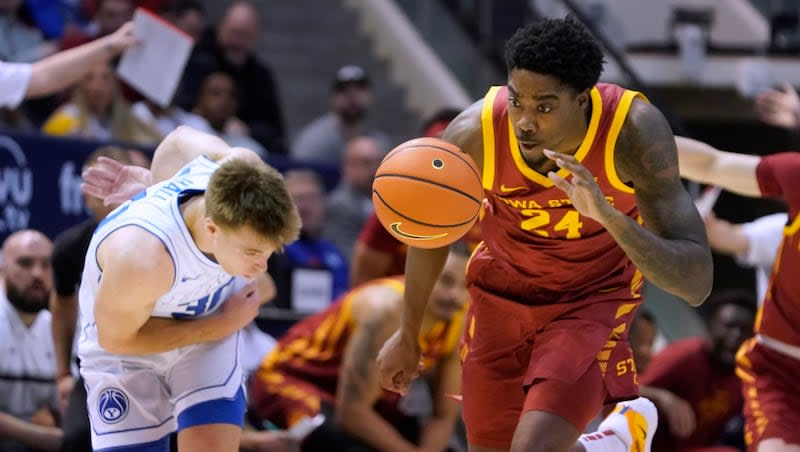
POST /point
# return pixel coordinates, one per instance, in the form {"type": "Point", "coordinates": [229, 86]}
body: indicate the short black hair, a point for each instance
{"type": "Point", "coordinates": [737, 297]}
{"type": "Point", "coordinates": [561, 48]}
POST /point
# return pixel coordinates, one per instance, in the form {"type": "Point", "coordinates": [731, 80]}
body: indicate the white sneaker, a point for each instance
{"type": "Point", "coordinates": [634, 422]}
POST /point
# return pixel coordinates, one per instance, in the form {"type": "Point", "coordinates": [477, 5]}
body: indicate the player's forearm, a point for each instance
{"type": "Point", "coordinates": [160, 335]}
{"type": "Point", "coordinates": [30, 435]}
{"type": "Point", "coordinates": [436, 433]}
{"type": "Point", "coordinates": [422, 269]}
{"type": "Point", "coordinates": [679, 266]}
{"type": "Point", "coordinates": [65, 315]}
{"type": "Point", "coordinates": [361, 421]}
{"type": "Point", "coordinates": [701, 162]}
{"type": "Point", "coordinates": [181, 146]}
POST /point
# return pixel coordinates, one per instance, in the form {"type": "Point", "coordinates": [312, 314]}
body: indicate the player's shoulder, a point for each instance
{"type": "Point", "coordinates": [465, 131]}
{"type": "Point", "coordinates": [378, 300]}
{"type": "Point", "coordinates": [135, 250]}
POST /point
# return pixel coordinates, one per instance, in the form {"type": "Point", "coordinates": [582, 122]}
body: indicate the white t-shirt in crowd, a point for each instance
{"type": "Point", "coordinates": [14, 79]}
{"type": "Point", "coordinates": [28, 366]}
{"type": "Point", "coordinates": [764, 236]}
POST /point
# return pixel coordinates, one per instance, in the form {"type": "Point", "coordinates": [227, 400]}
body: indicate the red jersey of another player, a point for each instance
{"type": "Point", "coordinates": [684, 368]}
{"type": "Point", "coordinates": [312, 351]}
{"type": "Point", "coordinates": [530, 228]}
{"type": "Point", "coordinates": [779, 315]}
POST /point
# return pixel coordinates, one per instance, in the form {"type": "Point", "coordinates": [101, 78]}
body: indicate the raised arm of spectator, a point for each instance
{"type": "Point", "coordinates": [63, 69]}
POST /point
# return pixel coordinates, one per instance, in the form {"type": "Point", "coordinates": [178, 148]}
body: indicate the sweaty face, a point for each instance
{"type": "Point", "coordinates": [545, 113]}
{"type": "Point", "coordinates": [450, 291]}
{"type": "Point", "coordinates": [730, 326]}
{"type": "Point", "coordinates": [240, 252]}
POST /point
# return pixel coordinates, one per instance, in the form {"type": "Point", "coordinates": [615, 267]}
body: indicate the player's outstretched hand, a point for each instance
{"type": "Point", "coordinates": [582, 188]}
{"type": "Point", "coordinates": [241, 308]}
{"type": "Point", "coordinates": [398, 362]}
{"type": "Point", "coordinates": [114, 182]}
{"type": "Point", "coordinates": [780, 108]}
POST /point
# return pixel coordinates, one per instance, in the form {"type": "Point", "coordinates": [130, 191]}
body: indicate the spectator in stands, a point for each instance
{"type": "Point", "coordinates": [326, 363]}
{"type": "Point", "coordinates": [48, 76]}
{"type": "Point", "coordinates": [232, 49]}
{"type": "Point", "coordinates": [98, 111]}
{"type": "Point", "coordinates": [21, 43]}
{"type": "Point", "coordinates": [350, 203]}
{"type": "Point", "coordinates": [325, 138]}
{"type": "Point", "coordinates": [69, 253]}
{"type": "Point", "coordinates": [692, 381]}
{"type": "Point", "coordinates": [216, 105]}
{"type": "Point", "coordinates": [109, 17]}
{"type": "Point", "coordinates": [780, 107]}
{"type": "Point", "coordinates": [27, 386]}
{"type": "Point", "coordinates": [189, 16]}
{"type": "Point", "coordinates": [311, 272]}
{"type": "Point", "coordinates": [753, 244]}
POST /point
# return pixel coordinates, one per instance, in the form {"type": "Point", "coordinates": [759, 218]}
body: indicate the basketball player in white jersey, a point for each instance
{"type": "Point", "coordinates": [165, 290]}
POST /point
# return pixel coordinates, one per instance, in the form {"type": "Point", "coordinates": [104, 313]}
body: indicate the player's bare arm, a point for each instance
{"type": "Point", "coordinates": [115, 183]}
{"type": "Point", "coordinates": [446, 382]}
{"type": "Point", "coordinates": [671, 250]}
{"type": "Point", "coordinates": [399, 357]}
{"type": "Point", "coordinates": [137, 271]}
{"type": "Point", "coordinates": [701, 162]}
{"type": "Point", "coordinates": [376, 312]}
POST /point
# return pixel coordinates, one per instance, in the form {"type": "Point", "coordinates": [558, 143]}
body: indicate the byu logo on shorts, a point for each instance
{"type": "Point", "coordinates": [112, 405]}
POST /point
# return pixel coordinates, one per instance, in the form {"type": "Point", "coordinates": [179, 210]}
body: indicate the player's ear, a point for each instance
{"type": "Point", "coordinates": [583, 98]}
{"type": "Point", "coordinates": [211, 227]}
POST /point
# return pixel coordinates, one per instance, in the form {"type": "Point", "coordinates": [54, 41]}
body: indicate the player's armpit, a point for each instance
{"type": "Point", "coordinates": [671, 250]}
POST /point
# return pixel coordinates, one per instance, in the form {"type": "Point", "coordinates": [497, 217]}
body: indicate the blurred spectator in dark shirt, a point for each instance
{"type": "Point", "coordinates": [231, 49]}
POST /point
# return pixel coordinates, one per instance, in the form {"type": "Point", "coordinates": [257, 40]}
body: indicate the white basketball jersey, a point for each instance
{"type": "Point", "coordinates": [200, 284]}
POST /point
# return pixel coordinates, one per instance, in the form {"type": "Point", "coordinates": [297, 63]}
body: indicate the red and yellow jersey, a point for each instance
{"type": "Point", "coordinates": [779, 315]}
{"type": "Point", "coordinates": [531, 230]}
{"type": "Point", "coordinates": [312, 350]}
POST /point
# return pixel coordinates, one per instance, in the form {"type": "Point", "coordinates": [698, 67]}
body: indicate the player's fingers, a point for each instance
{"type": "Point", "coordinates": [560, 182]}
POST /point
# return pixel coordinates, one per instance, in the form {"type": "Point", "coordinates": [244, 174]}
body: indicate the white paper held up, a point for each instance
{"type": "Point", "coordinates": [155, 66]}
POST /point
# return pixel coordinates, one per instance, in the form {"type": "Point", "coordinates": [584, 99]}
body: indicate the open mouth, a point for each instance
{"type": "Point", "coordinates": [528, 145]}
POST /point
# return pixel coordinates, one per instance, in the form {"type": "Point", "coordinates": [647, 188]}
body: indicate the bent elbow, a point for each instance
{"type": "Point", "coordinates": [702, 289]}
{"type": "Point", "coordinates": [111, 343]}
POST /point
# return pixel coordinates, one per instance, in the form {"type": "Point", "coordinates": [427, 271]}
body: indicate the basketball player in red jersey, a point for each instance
{"type": "Point", "coordinates": [769, 364]}
{"type": "Point", "coordinates": [326, 363]}
{"type": "Point", "coordinates": [582, 188]}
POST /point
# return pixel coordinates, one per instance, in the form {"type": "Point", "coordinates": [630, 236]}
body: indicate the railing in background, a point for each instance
{"type": "Point", "coordinates": [40, 179]}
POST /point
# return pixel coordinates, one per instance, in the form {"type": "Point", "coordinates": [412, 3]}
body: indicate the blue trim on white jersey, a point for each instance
{"type": "Point", "coordinates": [217, 411]}
{"type": "Point", "coordinates": [225, 383]}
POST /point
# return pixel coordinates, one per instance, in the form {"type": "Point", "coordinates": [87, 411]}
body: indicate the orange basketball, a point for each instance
{"type": "Point", "coordinates": [427, 193]}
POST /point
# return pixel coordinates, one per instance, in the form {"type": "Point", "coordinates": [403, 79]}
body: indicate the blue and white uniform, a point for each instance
{"type": "Point", "coordinates": [140, 400]}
